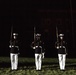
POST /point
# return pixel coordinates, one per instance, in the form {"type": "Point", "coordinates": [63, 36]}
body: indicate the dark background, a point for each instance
{"type": "Point", "coordinates": [45, 15]}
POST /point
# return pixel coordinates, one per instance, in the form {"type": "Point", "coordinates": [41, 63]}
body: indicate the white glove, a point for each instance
{"type": "Point", "coordinates": [34, 47]}
{"type": "Point", "coordinates": [43, 55]}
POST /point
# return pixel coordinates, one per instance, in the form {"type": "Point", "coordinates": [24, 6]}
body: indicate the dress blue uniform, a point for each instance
{"type": "Point", "coordinates": [61, 52]}
{"type": "Point", "coordinates": [39, 51]}
{"type": "Point", "coordinates": [14, 52]}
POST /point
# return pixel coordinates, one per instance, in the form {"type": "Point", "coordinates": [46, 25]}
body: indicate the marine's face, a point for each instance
{"type": "Point", "coordinates": [38, 38]}
{"type": "Point", "coordinates": [14, 37]}
{"type": "Point", "coordinates": [61, 38]}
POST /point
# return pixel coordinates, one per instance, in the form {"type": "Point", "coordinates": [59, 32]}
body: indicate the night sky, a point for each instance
{"type": "Point", "coordinates": [45, 15]}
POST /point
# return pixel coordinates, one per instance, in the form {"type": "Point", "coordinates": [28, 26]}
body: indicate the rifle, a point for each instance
{"type": "Point", "coordinates": [57, 36]}
{"type": "Point", "coordinates": [34, 36]}
{"type": "Point", "coordinates": [11, 37]}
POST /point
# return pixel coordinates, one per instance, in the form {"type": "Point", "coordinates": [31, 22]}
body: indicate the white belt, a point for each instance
{"type": "Point", "coordinates": [62, 46]}
{"type": "Point", "coordinates": [38, 46]}
{"type": "Point", "coordinates": [13, 46]}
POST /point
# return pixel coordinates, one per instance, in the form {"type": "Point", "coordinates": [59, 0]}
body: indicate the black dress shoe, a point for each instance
{"type": "Point", "coordinates": [15, 69]}
{"type": "Point", "coordinates": [39, 70]}
{"type": "Point", "coordinates": [11, 70]}
{"type": "Point", "coordinates": [62, 70]}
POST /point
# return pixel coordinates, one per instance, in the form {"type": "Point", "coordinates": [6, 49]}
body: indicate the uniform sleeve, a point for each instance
{"type": "Point", "coordinates": [43, 48]}
{"type": "Point", "coordinates": [32, 44]}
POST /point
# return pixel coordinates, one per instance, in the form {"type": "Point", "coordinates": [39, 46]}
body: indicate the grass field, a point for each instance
{"type": "Point", "coordinates": [50, 66]}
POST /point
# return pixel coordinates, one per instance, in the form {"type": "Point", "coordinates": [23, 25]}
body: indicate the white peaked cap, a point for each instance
{"type": "Point", "coordinates": [15, 34]}
{"type": "Point", "coordinates": [61, 35]}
